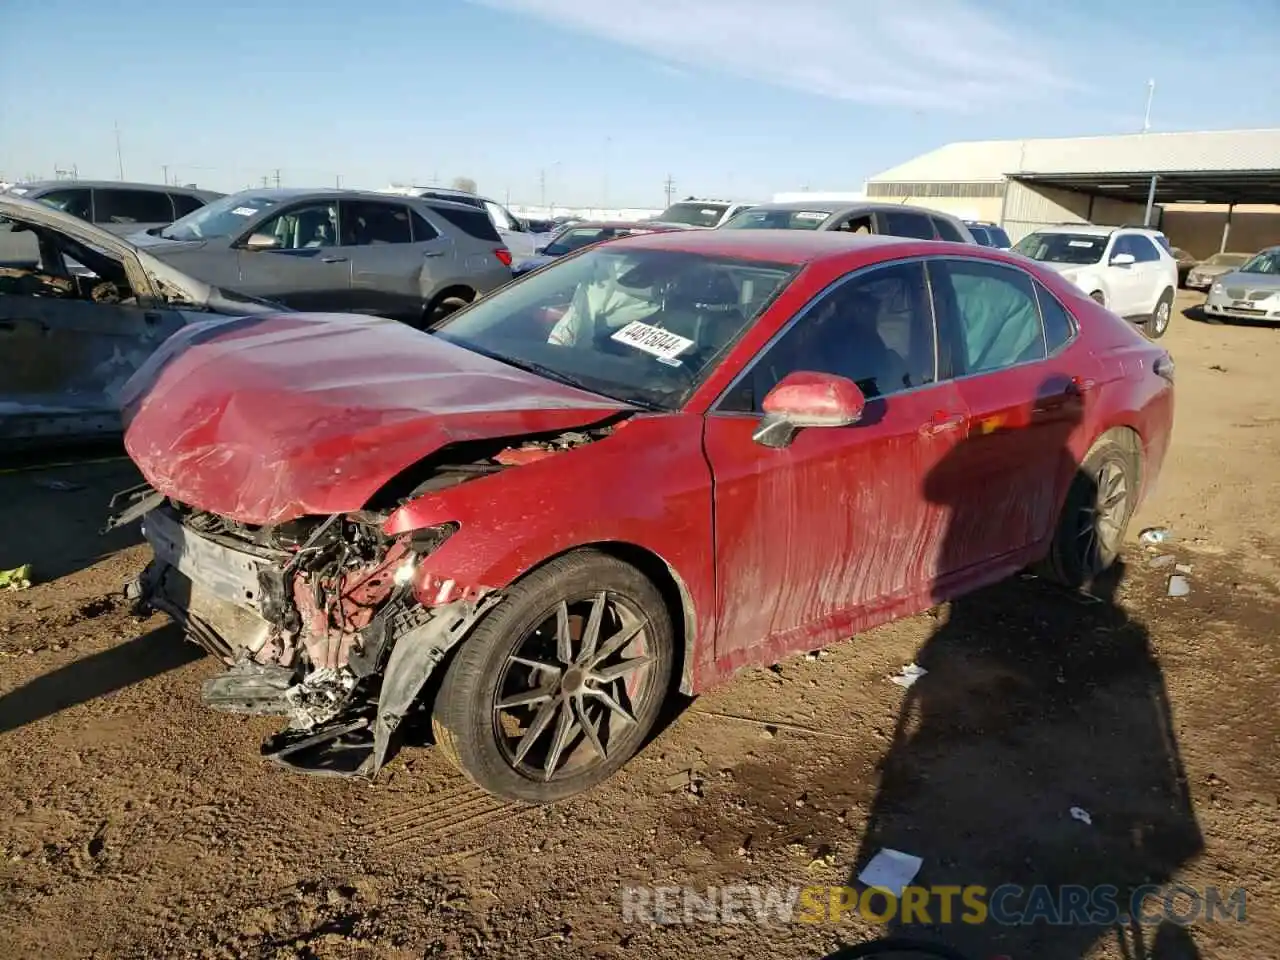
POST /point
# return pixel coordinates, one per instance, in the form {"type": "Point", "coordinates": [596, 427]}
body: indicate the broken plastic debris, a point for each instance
{"type": "Point", "coordinates": [1179, 586]}
{"type": "Point", "coordinates": [1182, 568]}
{"type": "Point", "coordinates": [1154, 535]}
{"type": "Point", "coordinates": [909, 675]}
{"type": "Point", "coordinates": [1081, 814]}
{"type": "Point", "coordinates": [891, 870]}
{"type": "Point", "coordinates": [19, 578]}
{"type": "Point", "coordinates": [1161, 561]}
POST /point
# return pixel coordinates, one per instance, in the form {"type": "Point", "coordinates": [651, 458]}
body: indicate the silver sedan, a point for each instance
{"type": "Point", "coordinates": [1249, 293]}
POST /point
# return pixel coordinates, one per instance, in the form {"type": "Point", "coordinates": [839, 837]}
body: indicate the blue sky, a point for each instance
{"type": "Point", "coordinates": [608, 97]}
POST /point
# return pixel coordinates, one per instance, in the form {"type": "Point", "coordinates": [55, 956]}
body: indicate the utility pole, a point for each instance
{"type": "Point", "coordinates": [337, 182]}
{"type": "Point", "coordinates": [119, 155]}
{"type": "Point", "coordinates": [264, 181]}
{"type": "Point", "coordinates": [1151, 93]}
{"type": "Point", "coordinates": [165, 168]}
{"type": "Point", "coordinates": [542, 186]}
{"type": "Point", "coordinates": [277, 178]}
{"type": "Point", "coordinates": [670, 187]}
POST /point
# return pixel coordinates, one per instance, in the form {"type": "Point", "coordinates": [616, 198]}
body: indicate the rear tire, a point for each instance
{"type": "Point", "coordinates": [1099, 298]}
{"type": "Point", "coordinates": [435, 314]}
{"type": "Point", "coordinates": [516, 703]}
{"type": "Point", "coordinates": [1158, 324]}
{"type": "Point", "coordinates": [1099, 505]}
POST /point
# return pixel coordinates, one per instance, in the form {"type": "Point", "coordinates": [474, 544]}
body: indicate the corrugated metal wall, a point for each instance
{"type": "Point", "coordinates": [1027, 208]}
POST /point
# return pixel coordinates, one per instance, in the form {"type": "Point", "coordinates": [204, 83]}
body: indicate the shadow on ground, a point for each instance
{"type": "Point", "coordinates": [96, 676]}
{"type": "Point", "coordinates": [1037, 757]}
{"type": "Point", "coordinates": [51, 515]}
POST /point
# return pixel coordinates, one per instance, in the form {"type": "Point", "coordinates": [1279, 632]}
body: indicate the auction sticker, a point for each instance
{"type": "Point", "coordinates": [663, 344]}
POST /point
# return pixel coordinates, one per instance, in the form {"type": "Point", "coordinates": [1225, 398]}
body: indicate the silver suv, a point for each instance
{"type": "Point", "coordinates": [402, 257]}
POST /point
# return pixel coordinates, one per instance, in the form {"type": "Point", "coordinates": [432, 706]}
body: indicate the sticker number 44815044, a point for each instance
{"type": "Point", "coordinates": [663, 344]}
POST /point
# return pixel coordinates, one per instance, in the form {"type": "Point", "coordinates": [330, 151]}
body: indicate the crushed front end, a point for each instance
{"type": "Point", "coordinates": [316, 619]}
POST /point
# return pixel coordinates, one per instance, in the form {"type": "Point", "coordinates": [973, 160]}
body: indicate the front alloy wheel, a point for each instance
{"type": "Point", "coordinates": [559, 685]}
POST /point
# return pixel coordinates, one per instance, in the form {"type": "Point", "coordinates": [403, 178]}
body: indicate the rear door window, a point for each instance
{"type": "Point", "coordinates": [367, 223]}
{"type": "Point", "coordinates": [988, 317]}
{"type": "Point", "coordinates": [114, 206]}
{"type": "Point", "coordinates": [1059, 328]}
{"type": "Point", "coordinates": [899, 223]}
{"type": "Point", "coordinates": [947, 231]}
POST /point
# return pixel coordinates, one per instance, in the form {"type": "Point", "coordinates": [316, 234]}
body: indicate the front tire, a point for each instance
{"type": "Point", "coordinates": [1095, 517]}
{"type": "Point", "coordinates": [1158, 324]}
{"type": "Point", "coordinates": [561, 683]}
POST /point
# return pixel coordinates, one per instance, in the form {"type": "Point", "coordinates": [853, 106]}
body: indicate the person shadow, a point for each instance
{"type": "Point", "coordinates": [1038, 749]}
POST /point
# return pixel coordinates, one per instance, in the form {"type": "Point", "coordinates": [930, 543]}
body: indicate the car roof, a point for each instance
{"type": "Point", "coordinates": [32, 186]}
{"type": "Point", "coordinates": [839, 206]}
{"type": "Point", "coordinates": [1095, 229]}
{"type": "Point", "coordinates": [777, 246]}
{"type": "Point", "coordinates": [282, 194]}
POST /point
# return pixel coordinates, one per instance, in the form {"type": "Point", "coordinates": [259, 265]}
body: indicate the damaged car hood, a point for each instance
{"type": "Point", "coordinates": [267, 419]}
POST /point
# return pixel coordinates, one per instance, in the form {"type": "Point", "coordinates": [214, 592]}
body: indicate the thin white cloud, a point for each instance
{"type": "Point", "coordinates": [927, 54]}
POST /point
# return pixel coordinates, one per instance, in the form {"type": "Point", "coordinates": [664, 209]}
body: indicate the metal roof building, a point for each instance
{"type": "Point", "coordinates": [1121, 179]}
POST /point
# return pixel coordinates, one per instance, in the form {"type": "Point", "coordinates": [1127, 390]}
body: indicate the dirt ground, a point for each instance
{"type": "Point", "coordinates": [136, 823]}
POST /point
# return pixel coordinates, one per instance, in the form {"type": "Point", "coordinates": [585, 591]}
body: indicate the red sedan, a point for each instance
{"type": "Point", "coordinates": [730, 446]}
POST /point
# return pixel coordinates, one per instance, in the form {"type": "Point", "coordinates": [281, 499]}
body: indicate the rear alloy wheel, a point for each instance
{"type": "Point", "coordinates": [559, 686]}
{"type": "Point", "coordinates": [1096, 515]}
{"type": "Point", "coordinates": [1156, 326]}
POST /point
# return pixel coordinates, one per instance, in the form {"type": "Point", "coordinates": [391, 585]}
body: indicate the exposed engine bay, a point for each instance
{"type": "Point", "coordinates": [322, 620]}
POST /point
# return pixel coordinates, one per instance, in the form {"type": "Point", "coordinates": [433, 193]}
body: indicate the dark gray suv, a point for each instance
{"type": "Point", "coordinates": [407, 258]}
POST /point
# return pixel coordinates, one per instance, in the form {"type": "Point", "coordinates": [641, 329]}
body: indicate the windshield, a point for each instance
{"type": "Point", "coordinates": [693, 213]}
{"type": "Point", "coordinates": [763, 218]}
{"type": "Point", "coordinates": [222, 218]}
{"type": "Point", "coordinates": [1268, 261]}
{"type": "Point", "coordinates": [1227, 260]}
{"type": "Point", "coordinates": [574, 239]}
{"type": "Point", "coordinates": [642, 326]}
{"type": "Point", "coordinates": [981, 235]}
{"type": "Point", "coordinates": [1062, 247]}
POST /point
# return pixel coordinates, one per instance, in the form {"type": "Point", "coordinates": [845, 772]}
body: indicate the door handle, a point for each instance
{"type": "Point", "coordinates": [333, 259]}
{"type": "Point", "coordinates": [943, 421]}
{"type": "Point", "coordinates": [433, 253]}
{"type": "Point", "coordinates": [1081, 385]}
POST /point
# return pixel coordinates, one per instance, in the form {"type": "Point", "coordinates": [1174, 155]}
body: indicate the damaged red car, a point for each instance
{"type": "Point", "coordinates": [633, 472]}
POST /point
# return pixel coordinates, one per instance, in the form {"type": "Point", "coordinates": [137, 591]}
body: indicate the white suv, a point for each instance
{"type": "Point", "coordinates": [695, 214]}
{"type": "Point", "coordinates": [1129, 270]}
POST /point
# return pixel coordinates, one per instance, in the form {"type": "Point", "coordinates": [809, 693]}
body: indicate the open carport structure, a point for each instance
{"type": "Point", "coordinates": [1025, 184]}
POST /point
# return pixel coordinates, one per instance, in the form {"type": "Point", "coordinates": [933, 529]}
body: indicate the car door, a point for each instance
{"type": "Point", "coordinates": [822, 537]}
{"type": "Point", "coordinates": [294, 257]}
{"type": "Point", "coordinates": [1002, 486]}
{"type": "Point", "coordinates": [123, 211]}
{"type": "Point", "coordinates": [390, 253]}
{"type": "Point", "coordinates": [1124, 280]}
{"type": "Point", "coordinates": [1150, 274]}
{"type": "Point", "coordinates": [67, 360]}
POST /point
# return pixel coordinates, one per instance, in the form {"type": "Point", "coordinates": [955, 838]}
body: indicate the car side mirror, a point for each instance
{"type": "Point", "coordinates": [805, 399]}
{"type": "Point", "coordinates": [262, 241]}
{"type": "Point", "coordinates": [1123, 260]}
{"type": "Point", "coordinates": [539, 251]}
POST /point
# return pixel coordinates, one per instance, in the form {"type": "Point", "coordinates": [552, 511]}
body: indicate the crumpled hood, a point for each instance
{"type": "Point", "coordinates": [266, 419]}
